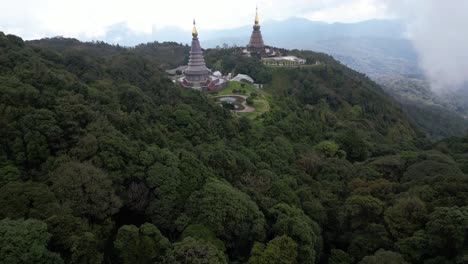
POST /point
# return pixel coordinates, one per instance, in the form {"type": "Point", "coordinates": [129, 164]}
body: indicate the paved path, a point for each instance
{"type": "Point", "coordinates": [247, 108]}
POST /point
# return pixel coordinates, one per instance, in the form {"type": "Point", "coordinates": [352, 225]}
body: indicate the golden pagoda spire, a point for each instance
{"type": "Point", "coordinates": [194, 30]}
{"type": "Point", "coordinates": [256, 16]}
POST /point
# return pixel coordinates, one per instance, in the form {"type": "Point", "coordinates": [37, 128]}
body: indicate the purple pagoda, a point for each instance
{"type": "Point", "coordinates": [197, 75]}
{"type": "Point", "coordinates": [256, 40]}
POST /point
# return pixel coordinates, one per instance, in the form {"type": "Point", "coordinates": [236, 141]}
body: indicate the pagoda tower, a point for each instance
{"type": "Point", "coordinates": [256, 40]}
{"type": "Point", "coordinates": [196, 71]}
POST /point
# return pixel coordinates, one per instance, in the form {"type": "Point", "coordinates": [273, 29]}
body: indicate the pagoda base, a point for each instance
{"type": "Point", "coordinates": [213, 83]}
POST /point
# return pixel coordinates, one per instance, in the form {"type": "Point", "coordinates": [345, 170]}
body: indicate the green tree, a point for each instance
{"type": "Point", "coordinates": [327, 148]}
{"type": "Point", "coordinates": [140, 245]}
{"type": "Point", "coordinates": [86, 189]}
{"type": "Point", "coordinates": [446, 230]}
{"type": "Point", "coordinates": [367, 240]}
{"type": "Point", "coordinates": [9, 173]}
{"type": "Point", "coordinates": [201, 232]}
{"type": "Point", "coordinates": [25, 241]}
{"type": "Point", "coordinates": [338, 256]}
{"type": "Point", "coordinates": [406, 216]}
{"type": "Point", "coordinates": [383, 257]}
{"type": "Point", "coordinates": [165, 206]}
{"type": "Point", "coordinates": [28, 200]}
{"type": "Point", "coordinates": [193, 251]}
{"type": "Point", "coordinates": [414, 248]}
{"type": "Point", "coordinates": [85, 250]}
{"type": "Point", "coordinates": [355, 146]}
{"type": "Point", "coordinates": [363, 209]}
{"type": "Point", "coordinates": [65, 229]}
{"type": "Point", "coordinates": [292, 222]}
{"type": "Point", "coordinates": [280, 250]}
{"type": "Point", "coordinates": [231, 214]}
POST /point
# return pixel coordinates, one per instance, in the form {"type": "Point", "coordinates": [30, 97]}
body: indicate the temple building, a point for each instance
{"type": "Point", "coordinates": [256, 40]}
{"type": "Point", "coordinates": [256, 44]}
{"type": "Point", "coordinates": [284, 61]}
{"type": "Point", "coordinates": [196, 75]}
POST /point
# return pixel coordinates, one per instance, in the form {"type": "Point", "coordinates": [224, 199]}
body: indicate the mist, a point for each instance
{"type": "Point", "coordinates": [438, 30]}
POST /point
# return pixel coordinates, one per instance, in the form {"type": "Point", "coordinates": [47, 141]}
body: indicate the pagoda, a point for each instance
{"type": "Point", "coordinates": [256, 40]}
{"type": "Point", "coordinates": [196, 74]}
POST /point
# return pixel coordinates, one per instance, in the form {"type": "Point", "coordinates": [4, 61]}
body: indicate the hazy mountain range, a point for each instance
{"type": "Point", "coordinates": [375, 47]}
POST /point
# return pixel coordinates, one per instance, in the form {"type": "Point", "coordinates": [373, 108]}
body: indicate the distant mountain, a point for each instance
{"type": "Point", "coordinates": [374, 47]}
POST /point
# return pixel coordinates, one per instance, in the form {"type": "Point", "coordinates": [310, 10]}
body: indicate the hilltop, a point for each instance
{"type": "Point", "coordinates": [377, 48]}
{"type": "Point", "coordinates": [104, 159]}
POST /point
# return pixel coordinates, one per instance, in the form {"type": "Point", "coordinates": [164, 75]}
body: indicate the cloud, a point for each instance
{"type": "Point", "coordinates": [340, 12]}
{"type": "Point", "coordinates": [92, 18]}
{"type": "Point", "coordinates": [438, 32]}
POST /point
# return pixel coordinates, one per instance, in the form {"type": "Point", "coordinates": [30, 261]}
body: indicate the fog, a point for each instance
{"type": "Point", "coordinates": [439, 32]}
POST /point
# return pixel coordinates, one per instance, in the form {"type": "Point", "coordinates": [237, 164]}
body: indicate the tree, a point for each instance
{"type": "Point", "coordinates": [338, 256]}
{"type": "Point", "coordinates": [140, 245]}
{"type": "Point", "coordinates": [40, 133]}
{"type": "Point", "coordinates": [25, 241]}
{"type": "Point", "coordinates": [85, 189]}
{"type": "Point", "coordinates": [165, 206]}
{"type": "Point", "coordinates": [249, 101]}
{"type": "Point", "coordinates": [406, 216]}
{"type": "Point", "coordinates": [367, 240]}
{"type": "Point", "coordinates": [446, 230]}
{"type": "Point", "coordinates": [85, 250]}
{"type": "Point", "coordinates": [64, 230]}
{"type": "Point", "coordinates": [9, 173]}
{"type": "Point", "coordinates": [414, 248]}
{"type": "Point", "coordinates": [28, 200]}
{"type": "Point", "coordinates": [363, 209]}
{"type": "Point", "coordinates": [201, 232]}
{"type": "Point", "coordinates": [292, 222]}
{"type": "Point", "coordinates": [193, 251]}
{"type": "Point", "coordinates": [384, 257]}
{"type": "Point", "coordinates": [430, 169]}
{"type": "Point", "coordinates": [327, 148]}
{"type": "Point", "coordinates": [280, 250]}
{"type": "Point", "coordinates": [231, 214]}
{"type": "Point", "coordinates": [355, 146]}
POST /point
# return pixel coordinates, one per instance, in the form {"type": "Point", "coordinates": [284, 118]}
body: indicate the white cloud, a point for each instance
{"type": "Point", "coordinates": [438, 31]}
{"type": "Point", "coordinates": [91, 18]}
{"type": "Point", "coordinates": [349, 11]}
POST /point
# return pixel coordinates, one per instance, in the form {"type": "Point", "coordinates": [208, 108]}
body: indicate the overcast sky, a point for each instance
{"type": "Point", "coordinates": [90, 18]}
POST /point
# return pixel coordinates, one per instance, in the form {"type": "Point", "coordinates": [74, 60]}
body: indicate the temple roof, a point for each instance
{"type": "Point", "coordinates": [256, 39]}
{"type": "Point", "coordinates": [196, 69]}
{"type": "Point", "coordinates": [194, 30]}
{"type": "Point", "coordinates": [256, 17]}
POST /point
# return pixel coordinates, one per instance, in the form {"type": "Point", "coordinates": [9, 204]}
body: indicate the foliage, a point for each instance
{"type": "Point", "coordinates": [384, 257]}
{"type": "Point", "coordinates": [281, 249]}
{"type": "Point", "coordinates": [194, 251]}
{"type": "Point", "coordinates": [140, 245]}
{"type": "Point", "coordinates": [231, 214]}
{"type": "Point", "coordinates": [294, 223]}
{"type": "Point", "coordinates": [25, 241]}
{"type": "Point", "coordinates": [120, 165]}
{"type": "Point", "coordinates": [27, 200]}
{"type": "Point", "coordinates": [85, 189]}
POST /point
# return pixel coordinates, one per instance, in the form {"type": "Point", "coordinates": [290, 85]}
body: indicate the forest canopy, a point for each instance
{"type": "Point", "coordinates": [104, 160]}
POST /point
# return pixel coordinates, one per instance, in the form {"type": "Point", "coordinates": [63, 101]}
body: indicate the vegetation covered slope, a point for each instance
{"type": "Point", "coordinates": [439, 115]}
{"type": "Point", "coordinates": [104, 159]}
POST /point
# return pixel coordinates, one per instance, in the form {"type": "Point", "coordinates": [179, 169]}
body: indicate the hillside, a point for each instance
{"type": "Point", "coordinates": [438, 115]}
{"type": "Point", "coordinates": [377, 48]}
{"type": "Point", "coordinates": [104, 160]}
